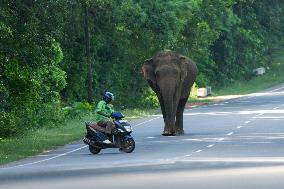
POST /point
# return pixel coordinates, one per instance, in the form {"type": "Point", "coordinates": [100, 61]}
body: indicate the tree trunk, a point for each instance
{"type": "Point", "coordinates": [88, 55]}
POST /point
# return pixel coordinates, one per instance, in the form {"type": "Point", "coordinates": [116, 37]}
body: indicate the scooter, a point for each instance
{"type": "Point", "coordinates": [121, 139]}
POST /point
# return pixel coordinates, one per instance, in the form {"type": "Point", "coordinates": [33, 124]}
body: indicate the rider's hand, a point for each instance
{"type": "Point", "coordinates": [114, 131]}
{"type": "Point", "coordinates": [111, 115]}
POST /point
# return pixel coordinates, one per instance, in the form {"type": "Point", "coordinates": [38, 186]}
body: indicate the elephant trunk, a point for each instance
{"type": "Point", "coordinates": [168, 92]}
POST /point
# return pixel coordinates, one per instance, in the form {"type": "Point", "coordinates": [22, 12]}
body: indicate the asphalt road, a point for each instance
{"type": "Point", "coordinates": [234, 144]}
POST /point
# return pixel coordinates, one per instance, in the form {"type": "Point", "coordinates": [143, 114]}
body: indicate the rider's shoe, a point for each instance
{"type": "Point", "coordinates": [107, 141]}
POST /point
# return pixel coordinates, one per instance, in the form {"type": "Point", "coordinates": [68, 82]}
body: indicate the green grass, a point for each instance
{"type": "Point", "coordinates": [204, 100]}
{"type": "Point", "coordinates": [132, 114]}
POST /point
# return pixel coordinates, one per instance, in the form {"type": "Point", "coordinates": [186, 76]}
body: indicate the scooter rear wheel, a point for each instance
{"type": "Point", "coordinates": [129, 146]}
{"type": "Point", "coordinates": [94, 150]}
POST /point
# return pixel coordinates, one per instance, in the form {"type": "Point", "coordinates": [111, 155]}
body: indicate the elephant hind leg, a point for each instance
{"type": "Point", "coordinates": [179, 131]}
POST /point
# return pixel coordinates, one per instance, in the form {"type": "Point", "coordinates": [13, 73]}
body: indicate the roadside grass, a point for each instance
{"type": "Point", "coordinates": [46, 139]}
{"type": "Point", "coordinates": [131, 114]}
{"type": "Point", "coordinates": [272, 77]}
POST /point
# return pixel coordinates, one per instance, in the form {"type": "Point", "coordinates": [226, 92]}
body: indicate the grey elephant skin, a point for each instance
{"type": "Point", "coordinates": [171, 77]}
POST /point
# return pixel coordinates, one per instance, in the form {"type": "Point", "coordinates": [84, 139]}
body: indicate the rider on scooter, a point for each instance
{"type": "Point", "coordinates": [104, 111]}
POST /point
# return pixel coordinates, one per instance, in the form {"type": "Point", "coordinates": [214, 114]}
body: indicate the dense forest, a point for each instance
{"type": "Point", "coordinates": [54, 53]}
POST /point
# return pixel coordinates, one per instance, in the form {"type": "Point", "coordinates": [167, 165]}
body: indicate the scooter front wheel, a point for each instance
{"type": "Point", "coordinates": [94, 150]}
{"type": "Point", "coordinates": [128, 146]}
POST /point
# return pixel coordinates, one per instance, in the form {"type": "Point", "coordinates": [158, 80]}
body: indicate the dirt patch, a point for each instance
{"type": "Point", "coordinates": [195, 104]}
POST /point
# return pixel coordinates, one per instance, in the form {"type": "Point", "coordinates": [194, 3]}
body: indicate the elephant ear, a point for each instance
{"type": "Point", "coordinates": [148, 71]}
{"type": "Point", "coordinates": [183, 67]}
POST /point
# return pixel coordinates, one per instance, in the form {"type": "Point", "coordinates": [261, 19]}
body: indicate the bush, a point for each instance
{"type": "Point", "coordinates": [8, 124]}
{"type": "Point", "coordinates": [78, 109]}
{"type": "Point", "coordinates": [150, 100]}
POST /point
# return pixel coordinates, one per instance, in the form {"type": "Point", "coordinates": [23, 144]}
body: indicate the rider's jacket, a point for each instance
{"type": "Point", "coordinates": [105, 109]}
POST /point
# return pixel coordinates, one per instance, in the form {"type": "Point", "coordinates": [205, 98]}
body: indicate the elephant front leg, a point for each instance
{"type": "Point", "coordinates": [179, 117]}
{"type": "Point", "coordinates": [168, 131]}
{"type": "Point", "coordinates": [169, 127]}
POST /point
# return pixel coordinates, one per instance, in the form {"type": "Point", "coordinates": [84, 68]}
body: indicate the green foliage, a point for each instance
{"type": "Point", "coordinates": [274, 76]}
{"type": "Point", "coordinates": [7, 124]}
{"type": "Point", "coordinates": [30, 75]}
{"type": "Point", "coordinates": [151, 99]}
{"type": "Point", "coordinates": [79, 109]}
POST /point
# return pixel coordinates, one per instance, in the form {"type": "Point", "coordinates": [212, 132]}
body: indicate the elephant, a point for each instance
{"type": "Point", "coordinates": [171, 76]}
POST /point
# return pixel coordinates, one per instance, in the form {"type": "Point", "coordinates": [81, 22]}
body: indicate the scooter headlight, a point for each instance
{"type": "Point", "coordinates": [120, 130]}
{"type": "Point", "coordinates": [128, 128]}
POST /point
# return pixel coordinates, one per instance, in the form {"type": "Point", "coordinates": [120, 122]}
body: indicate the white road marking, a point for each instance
{"type": "Point", "coordinates": [239, 159]}
{"type": "Point", "coordinates": [246, 122]}
{"type": "Point", "coordinates": [221, 139]}
{"type": "Point", "coordinates": [239, 127]}
{"type": "Point", "coordinates": [188, 139]}
{"type": "Point", "coordinates": [229, 134]}
{"type": "Point", "coordinates": [277, 89]}
{"type": "Point", "coordinates": [40, 161]}
{"type": "Point", "coordinates": [258, 116]}
{"type": "Point", "coordinates": [222, 113]}
{"type": "Point", "coordinates": [159, 116]}
{"type": "Point", "coordinates": [188, 155]}
{"type": "Point", "coordinates": [271, 117]}
{"type": "Point", "coordinates": [46, 155]}
{"type": "Point", "coordinates": [259, 142]}
{"type": "Point", "coordinates": [162, 141]}
{"type": "Point", "coordinates": [210, 146]}
{"type": "Point", "coordinates": [198, 151]}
